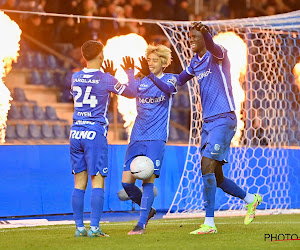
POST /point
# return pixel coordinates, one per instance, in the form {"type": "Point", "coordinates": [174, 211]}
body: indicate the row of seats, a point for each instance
{"type": "Point", "coordinates": [36, 132]}
{"type": "Point", "coordinates": [37, 60]}
{"type": "Point", "coordinates": [25, 112]}
{"type": "Point", "coordinates": [47, 78]}
{"type": "Point", "coordinates": [176, 135]}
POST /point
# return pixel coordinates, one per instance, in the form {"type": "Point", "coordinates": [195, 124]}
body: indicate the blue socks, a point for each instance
{"type": "Point", "coordinates": [229, 187]}
{"type": "Point", "coordinates": [77, 206]}
{"type": "Point", "coordinates": [134, 193]}
{"type": "Point", "coordinates": [209, 193]}
{"type": "Point", "coordinates": [97, 202]}
{"type": "Point", "coordinates": [146, 203]}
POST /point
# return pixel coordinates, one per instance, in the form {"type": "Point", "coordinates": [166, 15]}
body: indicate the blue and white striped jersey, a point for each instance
{"type": "Point", "coordinates": [153, 109]}
{"type": "Point", "coordinates": [213, 75]}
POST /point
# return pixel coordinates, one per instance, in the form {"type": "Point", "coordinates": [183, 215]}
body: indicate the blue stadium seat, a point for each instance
{"type": "Point", "coordinates": [34, 131]}
{"type": "Point", "coordinates": [59, 132]}
{"type": "Point", "coordinates": [51, 62]}
{"type": "Point", "coordinates": [35, 77]}
{"type": "Point", "coordinates": [39, 61]}
{"type": "Point", "coordinates": [38, 113]}
{"type": "Point", "coordinates": [184, 100]}
{"type": "Point", "coordinates": [47, 131]}
{"type": "Point", "coordinates": [67, 130]}
{"type": "Point", "coordinates": [51, 113]}
{"type": "Point", "coordinates": [26, 112]}
{"type": "Point", "coordinates": [10, 132]}
{"type": "Point", "coordinates": [29, 60]}
{"type": "Point", "coordinates": [58, 79]}
{"type": "Point", "coordinates": [19, 95]}
{"type": "Point", "coordinates": [47, 78]}
{"type": "Point", "coordinates": [174, 115]}
{"type": "Point", "coordinates": [173, 135]}
{"type": "Point", "coordinates": [176, 101]}
{"type": "Point", "coordinates": [21, 131]}
{"type": "Point", "coordinates": [14, 113]}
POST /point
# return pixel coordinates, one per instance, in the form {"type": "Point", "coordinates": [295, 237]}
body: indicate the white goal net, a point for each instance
{"type": "Point", "coordinates": [264, 54]}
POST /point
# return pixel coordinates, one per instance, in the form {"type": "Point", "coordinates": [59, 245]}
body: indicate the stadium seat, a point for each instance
{"type": "Point", "coordinates": [51, 113]}
{"type": "Point", "coordinates": [51, 62]}
{"type": "Point", "coordinates": [29, 60]}
{"type": "Point", "coordinates": [38, 113]}
{"type": "Point", "coordinates": [26, 112]}
{"type": "Point", "coordinates": [35, 77]}
{"type": "Point", "coordinates": [39, 61]}
{"type": "Point", "coordinates": [176, 101]}
{"type": "Point", "coordinates": [59, 132]}
{"type": "Point", "coordinates": [10, 132]}
{"type": "Point", "coordinates": [21, 131]}
{"type": "Point", "coordinates": [19, 95]}
{"type": "Point", "coordinates": [47, 79]}
{"type": "Point", "coordinates": [34, 131]}
{"type": "Point", "coordinates": [184, 100]}
{"type": "Point", "coordinates": [67, 130]}
{"type": "Point", "coordinates": [173, 135]}
{"type": "Point", "coordinates": [14, 113]}
{"type": "Point", "coordinates": [47, 131]}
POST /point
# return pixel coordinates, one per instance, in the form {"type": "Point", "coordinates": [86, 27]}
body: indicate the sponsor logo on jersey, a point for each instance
{"type": "Point", "coordinates": [152, 99]}
{"type": "Point", "coordinates": [94, 81]}
{"type": "Point", "coordinates": [90, 135]}
{"type": "Point", "coordinates": [203, 74]}
{"type": "Point", "coordinates": [80, 122]}
{"type": "Point", "coordinates": [173, 81]}
{"type": "Point", "coordinates": [143, 86]}
{"type": "Point", "coordinates": [84, 114]}
{"type": "Point", "coordinates": [118, 86]}
{"type": "Point", "coordinates": [86, 76]}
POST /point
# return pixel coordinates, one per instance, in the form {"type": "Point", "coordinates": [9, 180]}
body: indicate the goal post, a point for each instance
{"type": "Point", "coordinates": [263, 53]}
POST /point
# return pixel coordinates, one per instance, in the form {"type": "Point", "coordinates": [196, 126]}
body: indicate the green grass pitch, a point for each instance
{"type": "Point", "coordinates": [161, 234]}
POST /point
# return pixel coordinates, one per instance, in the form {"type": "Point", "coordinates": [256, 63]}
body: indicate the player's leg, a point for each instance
{"type": "Point", "coordinates": [96, 156]}
{"type": "Point", "coordinates": [97, 203]}
{"type": "Point", "coordinates": [81, 178]}
{"type": "Point", "coordinates": [155, 151]}
{"type": "Point", "coordinates": [128, 180]}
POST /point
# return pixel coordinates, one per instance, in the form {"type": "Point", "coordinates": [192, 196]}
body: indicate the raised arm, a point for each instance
{"type": "Point", "coordinates": [215, 49]}
{"type": "Point", "coordinates": [131, 89]}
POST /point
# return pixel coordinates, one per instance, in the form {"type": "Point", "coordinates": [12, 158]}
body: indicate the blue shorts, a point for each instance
{"type": "Point", "coordinates": [155, 150]}
{"type": "Point", "coordinates": [216, 135]}
{"type": "Point", "coordinates": [89, 151]}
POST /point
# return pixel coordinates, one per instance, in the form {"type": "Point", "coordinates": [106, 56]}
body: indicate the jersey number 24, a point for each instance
{"type": "Point", "coordinates": [87, 98]}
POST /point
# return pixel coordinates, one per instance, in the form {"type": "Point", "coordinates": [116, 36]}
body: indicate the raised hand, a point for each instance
{"type": "Point", "coordinates": [109, 67]}
{"type": "Point", "coordinates": [128, 63]}
{"type": "Point", "coordinates": [200, 26]}
{"type": "Point", "coordinates": [144, 66]}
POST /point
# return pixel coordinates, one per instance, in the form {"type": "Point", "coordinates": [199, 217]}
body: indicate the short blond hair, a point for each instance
{"type": "Point", "coordinates": [162, 51]}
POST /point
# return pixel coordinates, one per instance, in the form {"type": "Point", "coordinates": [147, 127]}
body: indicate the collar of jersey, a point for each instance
{"type": "Point", "coordinates": [161, 76]}
{"type": "Point", "coordinates": [201, 58]}
{"type": "Point", "coordinates": [85, 70]}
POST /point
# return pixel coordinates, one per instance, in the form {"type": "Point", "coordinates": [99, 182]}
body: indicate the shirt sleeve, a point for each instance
{"type": "Point", "coordinates": [189, 69]}
{"type": "Point", "coordinates": [169, 87]}
{"type": "Point", "coordinates": [114, 86]}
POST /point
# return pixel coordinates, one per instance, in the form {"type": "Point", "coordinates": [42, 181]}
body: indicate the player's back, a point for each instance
{"type": "Point", "coordinates": [91, 92]}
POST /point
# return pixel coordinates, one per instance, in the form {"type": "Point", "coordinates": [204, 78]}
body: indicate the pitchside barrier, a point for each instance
{"type": "Point", "coordinates": [37, 180]}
